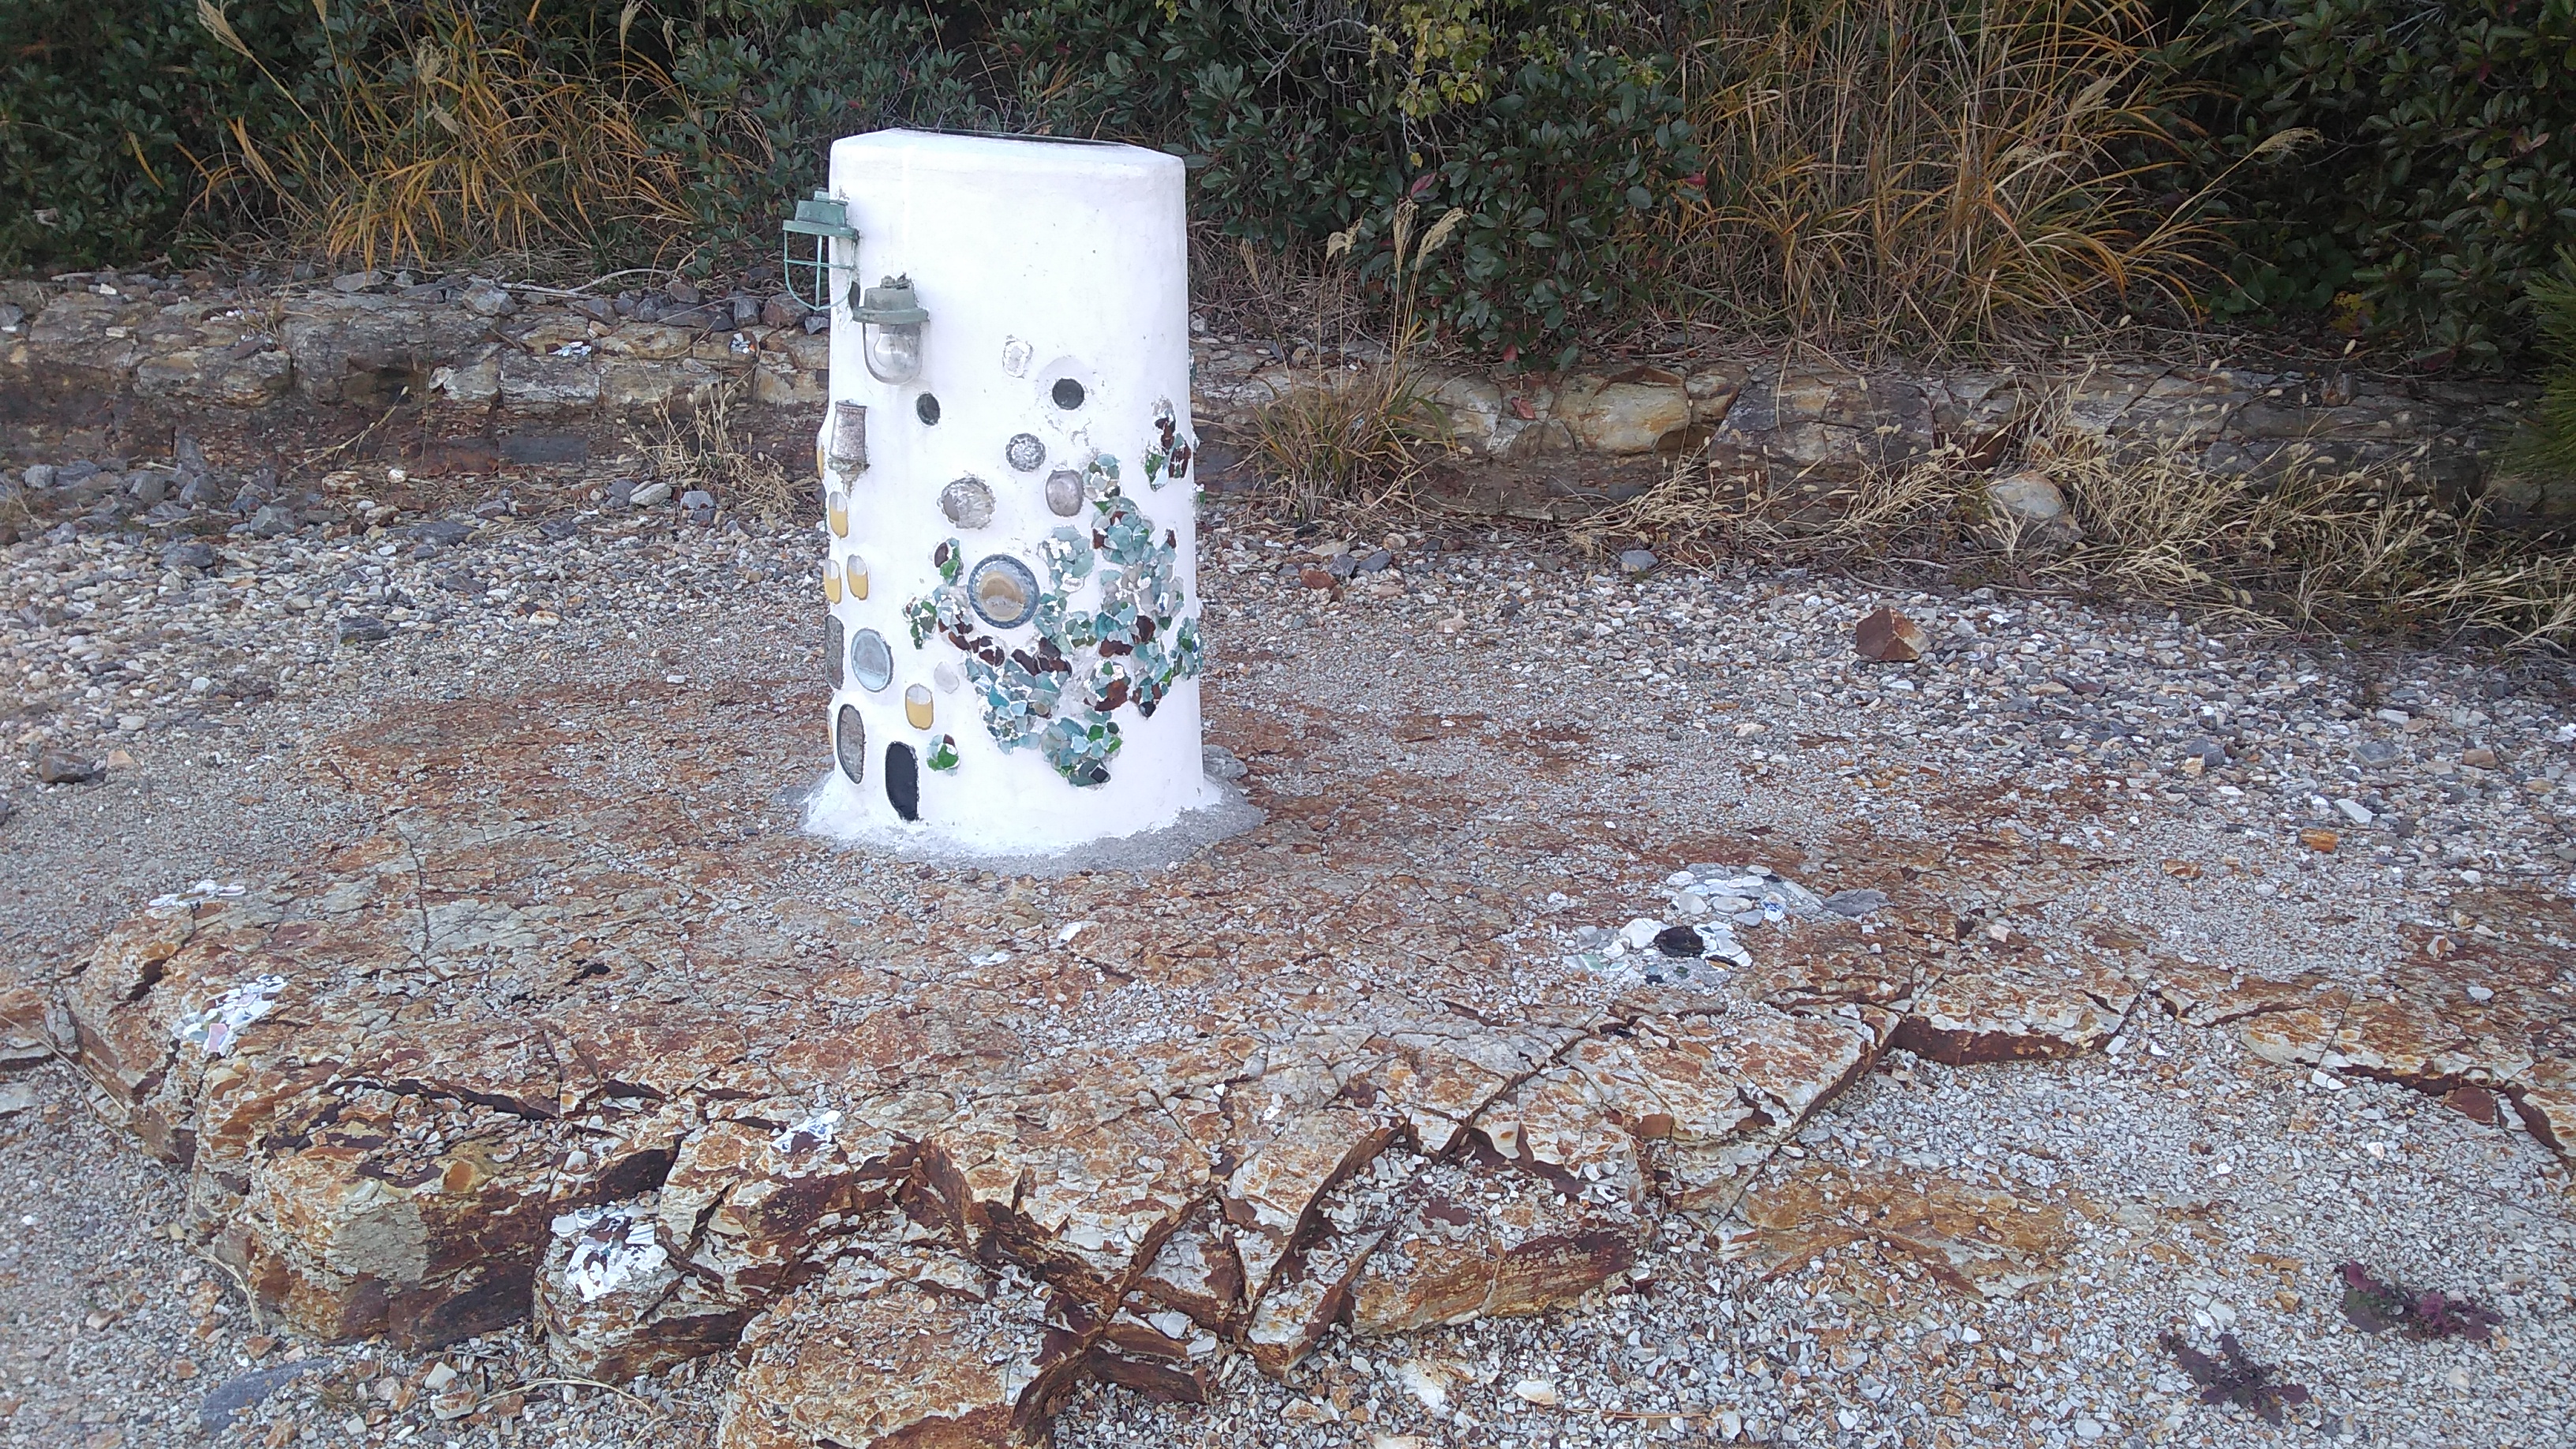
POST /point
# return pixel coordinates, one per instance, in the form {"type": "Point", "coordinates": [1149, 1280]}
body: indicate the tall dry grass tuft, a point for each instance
{"type": "Point", "coordinates": [1355, 438]}
{"type": "Point", "coordinates": [704, 449]}
{"type": "Point", "coordinates": [463, 144]}
{"type": "Point", "coordinates": [1917, 174]}
{"type": "Point", "coordinates": [2306, 545]}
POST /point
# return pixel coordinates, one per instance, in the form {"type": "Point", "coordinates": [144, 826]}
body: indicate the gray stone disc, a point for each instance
{"type": "Point", "coordinates": [850, 744]}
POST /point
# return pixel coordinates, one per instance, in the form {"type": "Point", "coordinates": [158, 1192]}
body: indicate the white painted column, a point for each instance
{"type": "Point", "coordinates": [1012, 552]}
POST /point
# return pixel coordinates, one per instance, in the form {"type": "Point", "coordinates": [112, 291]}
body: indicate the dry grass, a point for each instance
{"type": "Point", "coordinates": [469, 144]}
{"type": "Point", "coordinates": [1355, 438]}
{"type": "Point", "coordinates": [1918, 514]}
{"type": "Point", "coordinates": [1345, 441]}
{"type": "Point", "coordinates": [2305, 546]}
{"type": "Point", "coordinates": [2310, 546]}
{"type": "Point", "coordinates": [1887, 174]}
{"type": "Point", "coordinates": [703, 449]}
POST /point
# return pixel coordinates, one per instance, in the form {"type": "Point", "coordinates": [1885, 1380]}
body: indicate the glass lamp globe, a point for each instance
{"type": "Point", "coordinates": [890, 318]}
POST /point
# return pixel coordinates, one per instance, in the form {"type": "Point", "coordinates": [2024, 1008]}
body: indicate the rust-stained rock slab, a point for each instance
{"type": "Point", "coordinates": [866, 1360]}
{"type": "Point", "coordinates": [1296, 1313]}
{"type": "Point", "coordinates": [1998, 1013]}
{"type": "Point", "coordinates": [1557, 1125]}
{"type": "Point", "coordinates": [577, 1034]}
{"type": "Point", "coordinates": [1488, 1244]}
{"type": "Point", "coordinates": [1197, 1274]}
{"type": "Point", "coordinates": [1271, 1199]}
{"type": "Point", "coordinates": [1984, 1241]}
{"type": "Point", "coordinates": [2301, 1035]}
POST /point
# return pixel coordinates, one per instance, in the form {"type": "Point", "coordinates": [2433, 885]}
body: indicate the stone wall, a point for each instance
{"type": "Point", "coordinates": [474, 344]}
{"type": "Point", "coordinates": [530, 352]}
{"type": "Point", "coordinates": [1803, 423]}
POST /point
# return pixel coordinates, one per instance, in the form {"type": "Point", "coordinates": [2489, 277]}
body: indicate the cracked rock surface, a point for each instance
{"type": "Point", "coordinates": [541, 1047]}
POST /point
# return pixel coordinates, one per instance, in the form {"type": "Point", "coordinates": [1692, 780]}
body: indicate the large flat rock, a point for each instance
{"type": "Point", "coordinates": [578, 1033]}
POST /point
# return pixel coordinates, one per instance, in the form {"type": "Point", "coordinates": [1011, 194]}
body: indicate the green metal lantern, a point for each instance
{"type": "Point", "coordinates": [826, 220]}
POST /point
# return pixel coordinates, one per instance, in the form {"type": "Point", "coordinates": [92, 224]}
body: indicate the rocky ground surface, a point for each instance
{"type": "Point", "coordinates": [470, 1051]}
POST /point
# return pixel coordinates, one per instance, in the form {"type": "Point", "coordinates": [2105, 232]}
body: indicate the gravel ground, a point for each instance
{"type": "Point", "coordinates": [2178, 1184]}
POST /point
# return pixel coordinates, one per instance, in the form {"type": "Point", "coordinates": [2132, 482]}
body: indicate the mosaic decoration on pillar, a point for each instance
{"type": "Point", "coordinates": [1113, 631]}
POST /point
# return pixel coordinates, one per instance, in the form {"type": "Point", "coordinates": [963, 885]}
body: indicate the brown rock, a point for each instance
{"type": "Point", "coordinates": [1084, 1203]}
{"type": "Point", "coordinates": [615, 1305]}
{"type": "Point", "coordinates": [1197, 1274]}
{"type": "Point", "coordinates": [1628, 414]}
{"type": "Point", "coordinates": [1157, 1356]}
{"type": "Point", "coordinates": [351, 1236]}
{"type": "Point", "coordinates": [867, 1361]}
{"type": "Point", "coordinates": [1989, 1243]}
{"type": "Point", "coordinates": [1889, 637]}
{"type": "Point", "coordinates": [1270, 1200]}
{"type": "Point", "coordinates": [1296, 1313]}
{"type": "Point", "coordinates": [2475, 1103]}
{"type": "Point", "coordinates": [783, 309]}
{"type": "Point", "coordinates": [1557, 1125]}
{"type": "Point", "coordinates": [62, 767]}
{"type": "Point", "coordinates": [1439, 1093]}
{"type": "Point", "coordinates": [1488, 1244]}
{"type": "Point", "coordinates": [1833, 968]}
{"type": "Point", "coordinates": [1792, 1063]}
{"type": "Point", "coordinates": [2003, 1013]}
{"type": "Point", "coordinates": [2296, 1035]}
{"type": "Point", "coordinates": [745, 1202]}
{"type": "Point", "coordinates": [2407, 1041]}
{"type": "Point", "coordinates": [2320, 840]}
{"type": "Point", "coordinates": [2216, 996]}
{"type": "Point", "coordinates": [1439, 1071]}
{"type": "Point", "coordinates": [1666, 1078]}
{"type": "Point", "coordinates": [2547, 1104]}
{"type": "Point", "coordinates": [26, 1009]}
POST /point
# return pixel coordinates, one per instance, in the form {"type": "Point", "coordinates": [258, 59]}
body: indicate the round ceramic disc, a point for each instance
{"type": "Point", "coordinates": [871, 662]}
{"type": "Point", "coordinates": [1003, 591]}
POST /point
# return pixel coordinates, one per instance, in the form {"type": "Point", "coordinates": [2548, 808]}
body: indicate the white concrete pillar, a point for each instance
{"type": "Point", "coordinates": [1012, 557]}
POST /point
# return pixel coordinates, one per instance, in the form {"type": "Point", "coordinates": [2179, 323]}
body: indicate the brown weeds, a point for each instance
{"type": "Point", "coordinates": [2302, 544]}
{"type": "Point", "coordinates": [1356, 437]}
{"type": "Point", "coordinates": [1920, 173]}
{"type": "Point", "coordinates": [466, 144]}
{"type": "Point", "coordinates": [702, 450]}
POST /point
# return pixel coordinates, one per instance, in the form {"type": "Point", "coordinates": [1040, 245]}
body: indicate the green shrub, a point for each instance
{"type": "Point", "coordinates": [105, 108]}
{"type": "Point", "coordinates": [2443, 180]}
{"type": "Point", "coordinates": [758, 88]}
{"type": "Point", "coordinates": [2547, 443]}
{"type": "Point", "coordinates": [1850, 169]}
